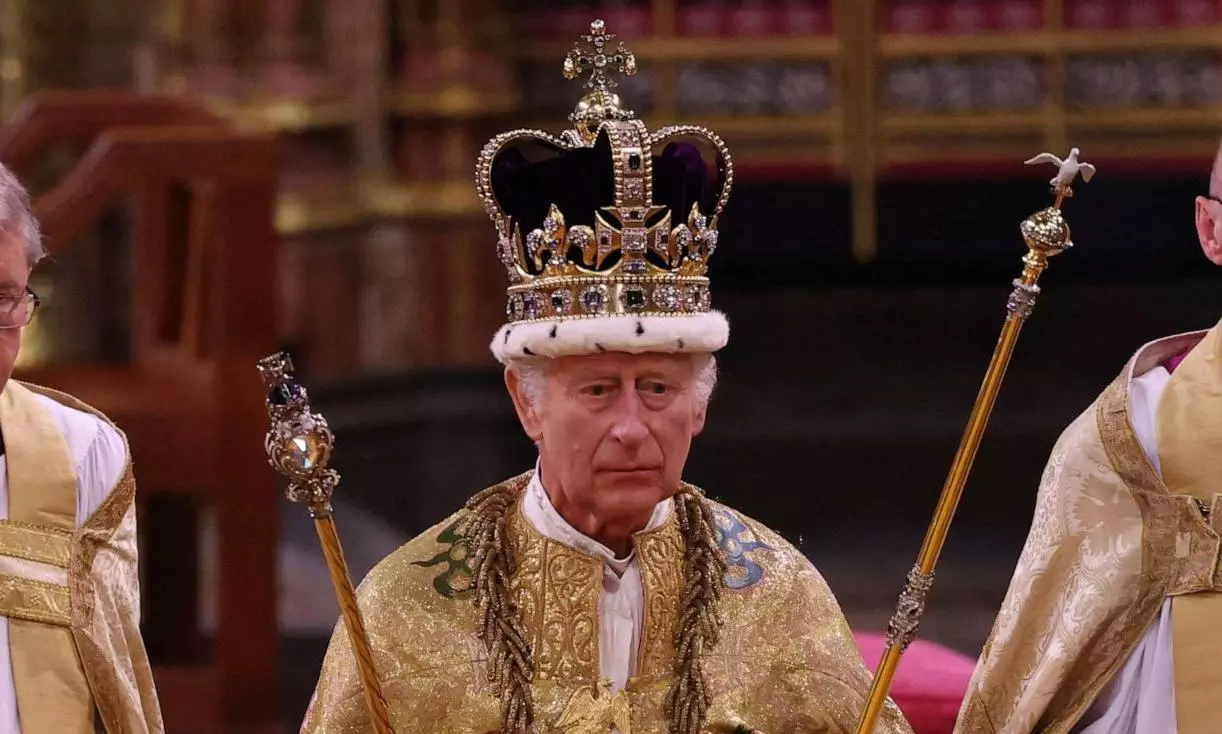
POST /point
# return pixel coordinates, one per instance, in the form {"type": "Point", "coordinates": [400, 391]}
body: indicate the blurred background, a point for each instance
{"type": "Point", "coordinates": [222, 178]}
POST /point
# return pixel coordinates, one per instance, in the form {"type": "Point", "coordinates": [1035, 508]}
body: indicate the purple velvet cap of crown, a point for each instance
{"type": "Point", "coordinates": [528, 177]}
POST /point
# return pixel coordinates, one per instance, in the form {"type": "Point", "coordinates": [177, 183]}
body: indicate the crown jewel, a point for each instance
{"type": "Point", "coordinates": [601, 103]}
{"type": "Point", "coordinates": [607, 218]}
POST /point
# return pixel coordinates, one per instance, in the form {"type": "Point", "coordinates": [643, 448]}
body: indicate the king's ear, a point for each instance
{"type": "Point", "coordinates": [701, 413]}
{"type": "Point", "coordinates": [524, 404]}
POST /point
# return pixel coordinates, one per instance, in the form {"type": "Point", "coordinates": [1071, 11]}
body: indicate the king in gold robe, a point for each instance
{"type": "Point", "coordinates": [785, 660]}
{"type": "Point", "coordinates": [69, 589]}
{"type": "Point", "coordinates": [666, 613]}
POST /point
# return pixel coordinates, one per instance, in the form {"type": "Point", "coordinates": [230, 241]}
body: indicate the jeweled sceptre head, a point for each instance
{"type": "Point", "coordinates": [1047, 230]}
{"type": "Point", "coordinates": [298, 441]}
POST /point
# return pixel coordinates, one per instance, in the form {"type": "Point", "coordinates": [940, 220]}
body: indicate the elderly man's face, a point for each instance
{"type": "Point", "coordinates": [14, 277]}
{"type": "Point", "coordinates": [614, 431]}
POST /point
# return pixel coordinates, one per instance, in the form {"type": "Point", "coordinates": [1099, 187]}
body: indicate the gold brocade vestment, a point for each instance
{"type": "Point", "coordinates": [70, 593]}
{"type": "Point", "coordinates": [786, 661]}
{"type": "Point", "coordinates": [1109, 543]}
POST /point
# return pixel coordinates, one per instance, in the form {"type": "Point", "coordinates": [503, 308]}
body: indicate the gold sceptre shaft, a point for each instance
{"type": "Point", "coordinates": [299, 445]}
{"type": "Point", "coordinates": [1046, 234]}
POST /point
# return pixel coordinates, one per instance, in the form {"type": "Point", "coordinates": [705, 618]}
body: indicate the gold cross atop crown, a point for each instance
{"type": "Point", "coordinates": [590, 54]}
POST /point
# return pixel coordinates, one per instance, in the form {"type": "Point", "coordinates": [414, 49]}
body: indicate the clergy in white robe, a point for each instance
{"type": "Point", "coordinates": [1109, 623]}
{"type": "Point", "coordinates": [71, 657]}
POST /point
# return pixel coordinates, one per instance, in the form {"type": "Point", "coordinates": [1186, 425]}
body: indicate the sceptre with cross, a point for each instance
{"type": "Point", "coordinates": [299, 444]}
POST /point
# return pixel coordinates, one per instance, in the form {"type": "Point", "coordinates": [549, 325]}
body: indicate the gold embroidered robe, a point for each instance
{"type": "Point", "coordinates": [786, 661]}
{"type": "Point", "coordinates": [79, 663]}
{"type": "Point", "coordinates": [1108, 544]}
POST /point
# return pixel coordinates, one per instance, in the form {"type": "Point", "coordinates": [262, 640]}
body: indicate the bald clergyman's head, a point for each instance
{"type": "Point", "coordinates": [1215, 177]}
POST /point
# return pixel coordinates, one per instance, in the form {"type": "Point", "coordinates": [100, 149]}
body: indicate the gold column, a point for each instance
{"type": "Point", "coordinates": [855, 22]}
{"type": "Point", "coordinates": [453, 83]}
{"type": "Point", "coordinates": [159, 54]}
{"type": "Point", "coordinates": [1054, 78]}
{"type": "Point", "coordinates": [362, 69]}
{"type": "Point", "coordinates": [66, 44]}
{"type": "Point", "coordinates": [13, 61]}
{"type": "Point", "coordinates": [57, 36]}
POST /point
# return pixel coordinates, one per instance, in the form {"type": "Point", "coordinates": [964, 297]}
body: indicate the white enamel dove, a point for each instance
{"type": "Point", "coordinates": [1068, 168]}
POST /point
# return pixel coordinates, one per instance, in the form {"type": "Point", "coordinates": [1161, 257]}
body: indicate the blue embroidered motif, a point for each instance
{"type": "Point", "coordinates": [736, 540]}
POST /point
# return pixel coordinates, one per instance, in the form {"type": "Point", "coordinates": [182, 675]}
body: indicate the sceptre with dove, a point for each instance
{"type": "Point", "coordinates": [1068, 170]}
{"type": "Point", "coordinates": [1046, 234]}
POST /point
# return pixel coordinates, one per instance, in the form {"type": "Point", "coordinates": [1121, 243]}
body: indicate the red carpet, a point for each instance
{"type": "Point", "coordinates": [929, 685]}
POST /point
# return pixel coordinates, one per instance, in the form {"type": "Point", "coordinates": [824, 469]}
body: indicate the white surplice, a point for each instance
{"type": "Point", "coordinates": [99, 456]}
{"type": "Point", "coordinates": [1140, 699]}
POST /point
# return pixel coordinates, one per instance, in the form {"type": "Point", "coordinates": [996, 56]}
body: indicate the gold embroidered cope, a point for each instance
{"type": "Point", "coordinates": [29, 556]}
{"type": "Point", "coordinates": [53, 694]}
{"type": "Point", "coordinates": [1109, 542]}
{"type": "Point", "coordinates": [786, 660]}
{"type": "Point", "coordinates": [70, 593]}
{"type": "Point", "coordinates": [33, 543]}
{"type": "Point", "coordinates": [1189, 430]}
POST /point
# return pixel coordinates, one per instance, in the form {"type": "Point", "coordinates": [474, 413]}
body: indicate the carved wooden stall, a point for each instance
{"type": "Point", "coordinates": [382, 106]}
{"type": "Point", "coordinates": [199, 199]}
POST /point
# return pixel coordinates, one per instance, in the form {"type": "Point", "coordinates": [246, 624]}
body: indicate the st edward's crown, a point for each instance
{"type": "Point", "coordinates": [607, 219]}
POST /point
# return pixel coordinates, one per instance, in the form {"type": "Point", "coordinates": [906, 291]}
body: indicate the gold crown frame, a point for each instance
{"type": "Point", "coordinates": [558, 271]}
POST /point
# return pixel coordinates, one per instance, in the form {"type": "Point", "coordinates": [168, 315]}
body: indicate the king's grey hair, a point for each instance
{"type": "Point", "coordinates": [17, 217]}
{"type": "Point", "coordinates": [532, 374]}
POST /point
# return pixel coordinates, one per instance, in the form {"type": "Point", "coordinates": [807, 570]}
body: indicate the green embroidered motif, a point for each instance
{"type": "Point", "coordinates": [455, 581]}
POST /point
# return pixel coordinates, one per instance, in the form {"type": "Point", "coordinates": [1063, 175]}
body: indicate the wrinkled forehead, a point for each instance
{"type": "Point", "coordinates": [621, 364]}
